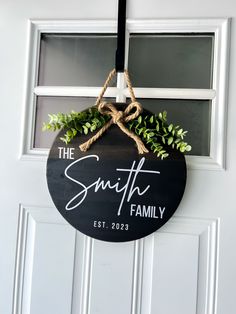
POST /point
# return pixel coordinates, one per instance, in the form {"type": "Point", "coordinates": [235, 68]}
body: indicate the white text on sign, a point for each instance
{"type": "Point", "coordinates": [127, 189]}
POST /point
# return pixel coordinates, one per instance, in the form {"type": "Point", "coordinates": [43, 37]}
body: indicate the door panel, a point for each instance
{"type": "Point", "coordinates": [179, 264]}
{"type": "Point", "coordinates": [111, 277]}
{"type": "Point", "coordinates": [45, 262]}
{"type": "Point", "coordinates": [175, 267]}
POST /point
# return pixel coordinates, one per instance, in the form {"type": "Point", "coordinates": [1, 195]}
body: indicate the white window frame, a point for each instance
{"type": "Point", "coordinates": [218, 94]}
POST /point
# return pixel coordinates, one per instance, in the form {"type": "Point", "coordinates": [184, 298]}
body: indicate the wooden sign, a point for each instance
{"type": "Point", "coordinates": [110, 192]}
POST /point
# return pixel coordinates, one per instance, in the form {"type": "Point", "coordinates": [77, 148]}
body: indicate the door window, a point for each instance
{"type": "Point", "coordinates": [75, 59]}
{"type": "Point", "coordinates": [172, 71]}
{"type": "Point", "coordinates": [171, 60]}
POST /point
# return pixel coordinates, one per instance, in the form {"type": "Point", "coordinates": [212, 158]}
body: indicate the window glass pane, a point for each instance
{"type": "Point", "coordinates": [49, 105]}
{"type": "Point", "coordinates": [76, 59]}
{"type": "Point", "coordinates": [171, 61]}
{"type": "Point", "coordinates": [193, 115]}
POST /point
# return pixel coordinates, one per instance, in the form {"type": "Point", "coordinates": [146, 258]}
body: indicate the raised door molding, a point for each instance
{"type": "Point", "coordinates": [180, 267]}
{"type": "Point", "coordinates": [177, 263]}
{"type": "Point", "coordinates": [44, 262]}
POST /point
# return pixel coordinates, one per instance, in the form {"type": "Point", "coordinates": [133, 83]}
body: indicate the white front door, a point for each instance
{"type": "Point", "coordinates": [178, 64]}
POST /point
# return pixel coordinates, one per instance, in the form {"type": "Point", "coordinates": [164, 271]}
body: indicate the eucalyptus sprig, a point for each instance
{"type": "Point", "coordinates": [76, 122]}
{"type": "Point", "coordinates": [154, 130]}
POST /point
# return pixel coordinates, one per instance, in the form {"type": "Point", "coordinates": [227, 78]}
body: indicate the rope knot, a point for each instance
{"type": "Point", "coordinates": [118, 117]}
{"type": "Point", "coordinates": [110, 109]}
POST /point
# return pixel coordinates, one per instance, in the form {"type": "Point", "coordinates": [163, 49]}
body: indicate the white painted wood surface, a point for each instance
{"type": "Point", "coordinates": [45, 267]}
{"type": "Point", "coordinates": [45, 262]}
{"type": "Point", "coordinates": [173, 93]}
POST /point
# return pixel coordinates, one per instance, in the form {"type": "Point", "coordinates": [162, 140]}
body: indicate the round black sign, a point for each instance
{"type": "Point", "coordinates": [110, 192]}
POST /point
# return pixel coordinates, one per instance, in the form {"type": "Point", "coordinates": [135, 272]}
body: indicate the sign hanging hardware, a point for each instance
{"type": "Point", "coordinates": [121, 30]}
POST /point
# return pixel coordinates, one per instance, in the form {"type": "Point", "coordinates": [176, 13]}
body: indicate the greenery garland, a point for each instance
{"type": "Point", "coordinates": [153, 129]}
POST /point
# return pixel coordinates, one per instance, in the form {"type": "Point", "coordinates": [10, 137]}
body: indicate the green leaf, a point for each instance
{"type": "Point", "coordinates": [131, 125]}
{"type": "Point", "coordinates": [151, 134]}
{"type": "Point", "coordinates": [69, 133]}
{"type": "Point", "coordinates": [93, 128]}
{"type": "Point", "coordinates": [74, 131]}
{"type": "Point", "coordinates": [140, 119]}
{"type": "Point", "coordinates": [170, 127]}
{"type": "Point", "coordinates": [164, 115]}
{"type": "Point", "coordinates": [188, 148]}
{"type": "Point", "coordinates": [85, 130]}
{"type": "Point", "coordinates": [45, 127]}
{"type": "Point", "coordinates": [180, 131]}
{"type": "Point", "coordinates": [170, 140]}
{"type": "Point", "coordinates": [63, 139]}
{"type": "Point", "coordinates": [151, 119]}
{"type": "Point", "coordinates": [140, 131]}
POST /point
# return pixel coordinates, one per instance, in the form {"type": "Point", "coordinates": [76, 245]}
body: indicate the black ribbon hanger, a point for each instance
{"type": "Point", "coordinates": [120, 52]}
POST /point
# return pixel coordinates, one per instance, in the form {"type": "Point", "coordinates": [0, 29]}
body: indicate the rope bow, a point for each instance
{"type": "Point", "coordinates": [117, 117]}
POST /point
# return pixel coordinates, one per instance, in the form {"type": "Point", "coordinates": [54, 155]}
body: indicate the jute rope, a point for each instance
{"type": "Point", "coordinates": [117, 117]}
